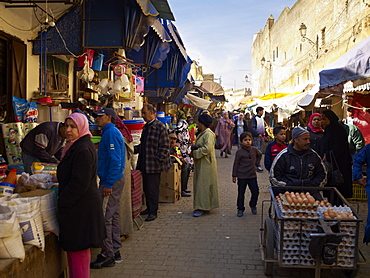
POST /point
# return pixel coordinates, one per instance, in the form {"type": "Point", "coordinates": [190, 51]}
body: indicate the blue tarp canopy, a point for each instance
{"type": "Point", "coordinates": [354, 65]}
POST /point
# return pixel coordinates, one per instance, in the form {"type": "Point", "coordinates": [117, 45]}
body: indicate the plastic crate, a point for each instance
{"type": "Point", "coordinates": [358, 193]}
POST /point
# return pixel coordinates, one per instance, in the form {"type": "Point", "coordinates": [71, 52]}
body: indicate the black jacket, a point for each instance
{"type": "Point", "coordinates": [335, 139]}
{"type": "Point", "coordinates": [315, 141]}
{"type": "Point", "coordinates": [293, 168]}
{"type": "Point", "coordinates": [80, 210]}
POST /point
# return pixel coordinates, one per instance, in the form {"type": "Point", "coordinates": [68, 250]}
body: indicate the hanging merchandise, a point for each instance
{"type": "Point", "coordinates": [119, 69]}
{"type": "Point", "coordinates": [97, 64]}
{"type": "Point", "coordinates": [86, 74]}
{"type": "Point", "coordinates": [139, 84]}
{"type": "Point", "coordinates": [88, 55]}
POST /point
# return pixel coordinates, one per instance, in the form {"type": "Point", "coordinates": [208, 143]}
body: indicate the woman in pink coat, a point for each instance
{"type": "Point", "coordinates": [223, 132]}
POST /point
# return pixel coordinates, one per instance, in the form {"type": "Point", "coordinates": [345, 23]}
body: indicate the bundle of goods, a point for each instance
{"type": "Point", "coordinates": [44, 168]}
{"type": "Point", "coordinates": [27, 182]}
{"type": "Point", "coordinates": [48, 208]}
{"type": "Point", "coordinates": [11, 245]}
{"type": "Point", "coordinates": [304, 212]}
{"type": "Point", "coordinates": [30, 221]}
{"type": "Point", "coordinates": [13, 134]}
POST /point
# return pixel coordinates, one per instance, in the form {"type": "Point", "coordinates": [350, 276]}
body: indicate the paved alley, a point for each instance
{"type": "Point", "coordinates": [215, 245]}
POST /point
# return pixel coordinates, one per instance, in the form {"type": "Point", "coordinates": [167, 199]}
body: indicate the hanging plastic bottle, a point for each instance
{"type": "Point", "coordinates": [174, 122]}
{"type": "Point", "coordinates": [11, 177]}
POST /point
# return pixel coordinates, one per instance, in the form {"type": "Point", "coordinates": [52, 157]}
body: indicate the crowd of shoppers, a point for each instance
{"type": "Point", "coordinates": [325, 141]}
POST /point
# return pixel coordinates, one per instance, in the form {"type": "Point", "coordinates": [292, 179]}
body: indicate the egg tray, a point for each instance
{"type": "Point", "coordinates": [294, 213]}
{"type": "Point", "coordinates": [297, 206]}
{"type": "Point", "coordinates": [338, 209]}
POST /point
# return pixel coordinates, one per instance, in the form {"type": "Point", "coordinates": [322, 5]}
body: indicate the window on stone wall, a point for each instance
{"type": "Point", "coordinates": [273, 56]}
{"type": "Point", "coordinates": [277, 52]}
{"type": "Point", "coordinates": [323, 36]}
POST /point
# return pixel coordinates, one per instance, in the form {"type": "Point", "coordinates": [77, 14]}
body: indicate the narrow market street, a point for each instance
{"type": "Point", "coordinates": [219, 244]}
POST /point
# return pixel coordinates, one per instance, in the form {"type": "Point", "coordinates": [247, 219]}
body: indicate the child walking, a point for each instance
{"type": "Point", "coordinates": [247, 159]}
{"type": "Point", "coordinates": [275, 146]}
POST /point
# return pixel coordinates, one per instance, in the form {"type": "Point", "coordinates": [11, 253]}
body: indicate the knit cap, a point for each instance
{"type": "Point", "coordinates": [298, 131]}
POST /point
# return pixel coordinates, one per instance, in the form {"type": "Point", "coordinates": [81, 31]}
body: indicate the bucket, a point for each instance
{"type": "Point", "coordinates": [97, 64]}
{"type": "Point", "coordinates": [166, 120]}
{"type": "Point", "coordinates": [134, 126]}
{"type": "Point", "coordinates": [160, 114]}
{"type": "Point", "coordinates": [128, 113]}
{"type": "Point", "coordinates": [6, 189]}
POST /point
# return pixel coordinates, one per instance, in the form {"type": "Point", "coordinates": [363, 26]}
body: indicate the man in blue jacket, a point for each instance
{"type": "Point", "coordinates": [111, 164]}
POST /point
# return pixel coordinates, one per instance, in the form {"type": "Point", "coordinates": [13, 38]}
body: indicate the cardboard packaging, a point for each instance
{"type": "Point", "coordinates": [170, 185]}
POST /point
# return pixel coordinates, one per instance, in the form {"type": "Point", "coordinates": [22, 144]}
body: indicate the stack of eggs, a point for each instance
{"type": "Point", "coordinates": [337, 213]}
{"type": "Point", "coordinates": [295, 204]}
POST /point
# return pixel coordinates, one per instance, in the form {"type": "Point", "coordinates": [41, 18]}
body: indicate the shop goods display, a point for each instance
{"type": "Point", "coordinates": [48, 208]}
{"type": "Point", "coordinates": [13, 134]}
{"type": "Point", "coordinates": [11, 245]}
{"type": "Point", "coordinates": [6, 189]}
{"type": "Point", "coordinates": [302, 212]}
{"type": "Point", "coordinates": [30, 221]}
{"type": "Point", "coordinates": [27, 182]}
{"type": "Point", "coordinates": [44, 168]}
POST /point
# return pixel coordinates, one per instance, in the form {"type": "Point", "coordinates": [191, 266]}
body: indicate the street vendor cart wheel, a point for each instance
{"type": "Point", "coordinates": [268, 244]}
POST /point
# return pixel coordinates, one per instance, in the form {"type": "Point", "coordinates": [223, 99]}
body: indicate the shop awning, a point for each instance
{"type": "Point", "coordinates": [107, 24]}
{"type": "Point", "coordinates": [280, 102]}
{"type": "Point", "coordinates": [212, 87]}
{"type": "Point", "coordinates": [197, 101]}
{"type": "Point", "coordinates": [353, 66]}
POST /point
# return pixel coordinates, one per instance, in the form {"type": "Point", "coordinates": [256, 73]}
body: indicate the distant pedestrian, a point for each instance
{"type": "Point", "coordinates": [183, 138]}
{"type": "Point", "coordinates": [276, 146]}
{"type": "Point", "coordinates": [258, 130]}
{"type": "Point", "coordinates": [247, 159]}
{"type": "Point", "coordinates": [336, 152]}
{"type": "Point", "coordinates": [205, 172]}
{"type": "Point", "coordinates": [316, 133]}
{"type": "Point", "coordinates": [356, 140]}
{"type": "Point", "coordinates": [223, 132]}
{"type": "Point", "coordinates": [240, 127]}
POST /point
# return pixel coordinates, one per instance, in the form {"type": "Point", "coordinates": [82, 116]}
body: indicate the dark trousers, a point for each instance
{"type": "Point", "coordinates": [253, 187]}
{"type": "Point", "coordinates": [151, 191]}
{"type": "Point", "coordinates": [185, 172]}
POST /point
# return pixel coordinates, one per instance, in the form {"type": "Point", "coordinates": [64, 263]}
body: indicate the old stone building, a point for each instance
{"type": "Point", "coordinates": [285, 62]}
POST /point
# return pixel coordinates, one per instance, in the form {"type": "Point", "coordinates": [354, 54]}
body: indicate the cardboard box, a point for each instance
{"type": "Point", "coordinates": [170, 185]}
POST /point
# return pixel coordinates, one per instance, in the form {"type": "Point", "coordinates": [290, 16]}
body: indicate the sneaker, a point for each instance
{"type": "Point", "coordinates": [102, 261]}
{"type": "Point", "coordinates": [259, 169]}
{"type": "Point", "coordinates": [240, 213]}
{"type": "Point", "coordinates": [254, 210]}
{"type": "Point", "coordinates": [117, 257]}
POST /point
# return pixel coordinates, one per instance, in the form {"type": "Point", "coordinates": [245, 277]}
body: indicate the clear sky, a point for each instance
{"type": "Point", "coordinates": [218, 34]}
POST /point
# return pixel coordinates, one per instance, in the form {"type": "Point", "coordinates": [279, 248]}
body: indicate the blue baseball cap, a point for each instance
{"type": "Point", "coordinates": [106, 111]}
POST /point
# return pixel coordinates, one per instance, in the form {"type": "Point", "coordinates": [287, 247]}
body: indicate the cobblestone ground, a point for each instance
{"type": "Point", "coordinates": [215, 245]}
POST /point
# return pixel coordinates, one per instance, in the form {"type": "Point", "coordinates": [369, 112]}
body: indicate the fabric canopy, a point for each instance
{"type": "Point", "coordinates": [197, 101]}
{"type": "Point", "coordinates": [212, 87]}
{"type": "Point", "coordinates": [353, 65]}
{"type": "Point", "coordinates": [283, 103]}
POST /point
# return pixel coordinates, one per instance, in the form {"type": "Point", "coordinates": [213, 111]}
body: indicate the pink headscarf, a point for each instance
{"type": "Point", "coordinates": [314, 129]}
{"type": "Point", "coordinates": [82, 126]}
